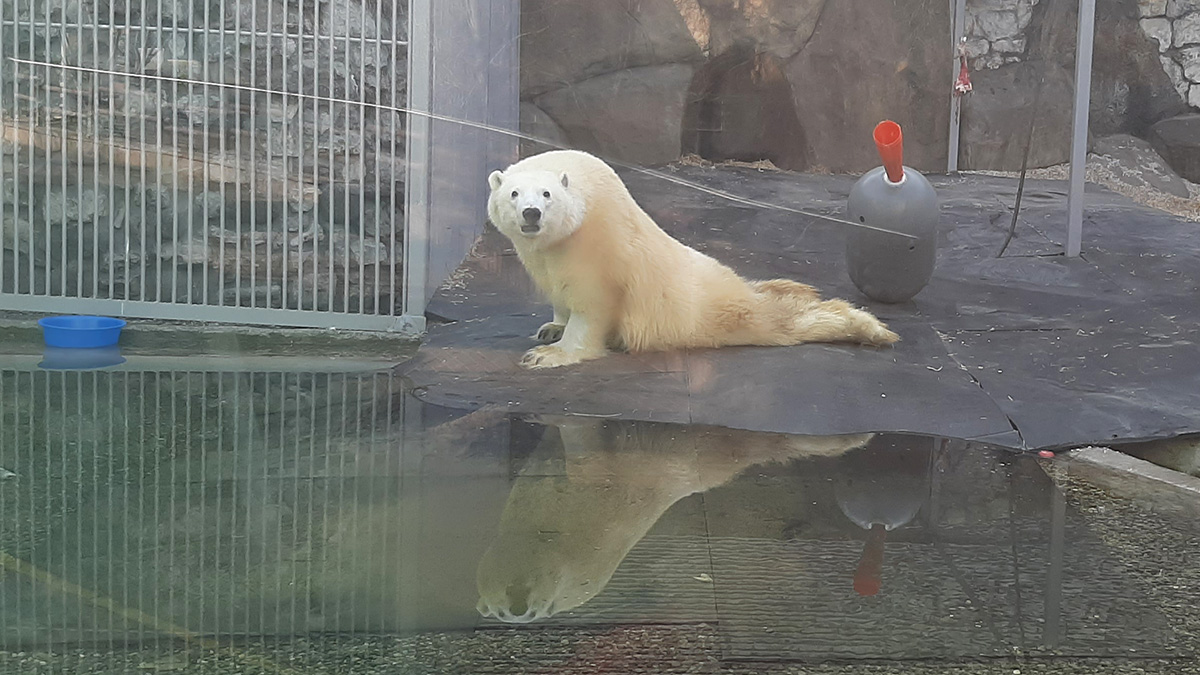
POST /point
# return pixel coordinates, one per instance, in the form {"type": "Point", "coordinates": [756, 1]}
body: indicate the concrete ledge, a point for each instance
{"type": "Point", "coordinates": [1157, 488]}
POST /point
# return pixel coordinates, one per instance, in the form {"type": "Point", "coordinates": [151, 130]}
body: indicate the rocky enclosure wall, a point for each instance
{"type": "Point", "coordinates": [802, 82]}
{"type": "Point", "coordinates": [1175, 26]}
{"type": "Point", "coordinates": [143, 188]}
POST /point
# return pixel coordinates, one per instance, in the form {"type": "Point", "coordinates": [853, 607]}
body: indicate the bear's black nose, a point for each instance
{"type": "Point", "coordinates": [532, 215]}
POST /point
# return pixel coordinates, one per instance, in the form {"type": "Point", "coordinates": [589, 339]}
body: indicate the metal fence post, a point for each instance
{"type": "Point", "coordinates": [1079, 125]}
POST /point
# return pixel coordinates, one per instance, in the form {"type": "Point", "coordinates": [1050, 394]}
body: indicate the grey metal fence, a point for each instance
{"type": "Point", "coordinates": [245, 161]}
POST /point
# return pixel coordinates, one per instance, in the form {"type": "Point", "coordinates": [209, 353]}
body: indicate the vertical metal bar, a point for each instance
{"type": "Point", "coordinates": [360, 88]}
{"type": "Point", "coordinates": [18, 466]}
{"type": "Point", "coordinates": [330, 481]}
{"type": "Point", "coordinates": [244, 404]}
{"type": "Point", "coordinates": [347, 212]}
{"type": "Point", "coordinates": [378, 129]}
{"type": "Point", "coordinates": [300, 89]}
{"type": "Point", "coordinates": [958, 18]}
{"type": "Point", "coordinates": [51, 75]}
{"type": "Point", "coordinates": [239, 220]}
{"type": "Point", "coordinates": [316, 172]}
{"type": "Point", "coordinates": [94, 91]}
{"type": "Point", "coordinates": [331, 108]}
{"type": "Point", "coordinates": [126, 411]}
{"type": "Point", "coordinates": [418, 164]}
{"type": "Point", "coordinates": [185, 431]}
{"type": "Point", "coordinates": [80, 446]}
{"type": "Point", "coordinates": [112, 194]}
{"type": "Point", "coordinates": [44, 446]}
{"type": "Point", "coordinates": [3, 163]}
{"type": "Point", "coordinates": [270, 163]}
{"type": "Point", "coordinates": [155, 450]}
{"type": "Point", "coordinates": [312, 526]}
{"type": "Point", "coordinates": [316, 161]}
{"type": "Point", "coordinates": [280, 553]}
{"type": "Point", "coordinates": [261, 487]}
{"type": "Point", "coordinates": [202, 189]}
{"type": "Point", "coordinates": [143, 186]}
{"type": "Point", "coordinates": [1054, 577]}
{"type": "Point", "coordinates": [32, 119]}
{"type": "Point", "coordinates": [298, 432]}
{"type": "Point", "coordinates": [190, 190]}
{"type": "Point", "coordinates": [253, 150]}
{"type": "Point", "coordinates": [108, 481]}
{"type": "Point", "coordinates": [341, 500]}
{"type": "Point", "coordinates": [93, 456]}
{"type": "Point", "coordinates": [286, 143]}
{"type": "Point", "coordinates": [1079, 125]}
{"type": "Point", "coordinates": [174, 201]}
{"type": "Point", "coordinates": [79, 91]}
{"type": "Point", "coordinates": [222, 413]}
{"type": "Point", "coordinates": [222, 149]}
{"type": "Point", "coordinates": [188, 194]}
{"type": "Point", "coordinates": [397, 232]}
{"type": "Point", "coordinates": [56, 505]}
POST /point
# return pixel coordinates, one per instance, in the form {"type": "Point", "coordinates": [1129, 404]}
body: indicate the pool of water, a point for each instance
{"type": "Point", "coordinates": [292, 518]}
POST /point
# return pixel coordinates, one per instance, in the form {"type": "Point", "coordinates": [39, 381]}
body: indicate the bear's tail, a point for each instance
{"type": "Point", "coordinates": [792, 313]}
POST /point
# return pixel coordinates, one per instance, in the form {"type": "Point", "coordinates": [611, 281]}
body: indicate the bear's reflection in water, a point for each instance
{"type": "Point", "coordinates": [561, 537]}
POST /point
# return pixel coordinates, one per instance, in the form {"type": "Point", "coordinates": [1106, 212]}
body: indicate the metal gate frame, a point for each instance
{"type": "Point", "coordinates": [462, 63]}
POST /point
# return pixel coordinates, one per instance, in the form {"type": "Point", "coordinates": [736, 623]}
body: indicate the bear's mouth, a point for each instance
{"type": "Point", "coordinates": [530, 228]}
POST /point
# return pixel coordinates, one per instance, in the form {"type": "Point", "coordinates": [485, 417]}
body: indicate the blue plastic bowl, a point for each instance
{"type": "Point", "coordinates": [81, 332]}
{"type": "Point", "coordinates": [95, 358]}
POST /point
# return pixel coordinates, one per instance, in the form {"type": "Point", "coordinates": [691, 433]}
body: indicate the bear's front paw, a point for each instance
{"type": "Point", "coordinates": [550, 332]}
{"type": "Point", "coordinates": [548, 356]}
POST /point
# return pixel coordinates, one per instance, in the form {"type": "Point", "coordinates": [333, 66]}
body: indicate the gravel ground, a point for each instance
{"type": "Point", "coordinates": [618, 651]}
{"type": "Point", "coordinates": [1105, 171]}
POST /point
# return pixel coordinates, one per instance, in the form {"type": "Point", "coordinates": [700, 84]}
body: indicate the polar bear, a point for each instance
{"type": "Point", "coordinates": [561, 538]}
{"type": "Point", "coordinates": [617, 280]}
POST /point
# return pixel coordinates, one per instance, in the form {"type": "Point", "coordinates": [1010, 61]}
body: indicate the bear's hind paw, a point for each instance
{"type": "Point", "coordinates": [550, 333]}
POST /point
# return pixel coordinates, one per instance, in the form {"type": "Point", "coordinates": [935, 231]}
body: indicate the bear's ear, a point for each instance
{"type": "Point", "coordinates": [495, 179]}
{"type": "Point", "coordinates": [563, 178]}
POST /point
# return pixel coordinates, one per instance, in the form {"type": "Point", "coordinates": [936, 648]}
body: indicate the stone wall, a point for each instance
{"type": "Point", "coordinates": [802, 82]}
{"type": "Point", "coordinates": [149, 188]}
{"type": "Point", "coordinates": [1175, 26]}
{"type": "Point", "coordinates": [995, 31]}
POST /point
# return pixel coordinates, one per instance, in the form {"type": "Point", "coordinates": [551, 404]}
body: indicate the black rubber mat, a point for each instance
{"type": "Point", "coordinates": [1030, 350]}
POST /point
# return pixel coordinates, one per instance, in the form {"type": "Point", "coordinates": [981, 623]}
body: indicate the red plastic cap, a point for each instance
{"type": "Point", "coordinates": [867, 586]}
{"type": "Point", "coordinates": [889, 140]}
{"type": "Point", "coordinates": [868, 578]}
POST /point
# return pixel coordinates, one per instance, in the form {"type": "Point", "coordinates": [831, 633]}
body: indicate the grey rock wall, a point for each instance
{"type": "Point", "coordinates": [845, 67]}
{"type": "Point", "coordinates": [189, 180]}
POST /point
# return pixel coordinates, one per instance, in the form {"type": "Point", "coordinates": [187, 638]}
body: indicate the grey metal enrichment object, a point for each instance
{"type": "Point", "coordinates": [885, 267]}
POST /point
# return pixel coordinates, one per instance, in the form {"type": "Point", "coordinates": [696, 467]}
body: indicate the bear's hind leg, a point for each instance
{"type": "Point", "coordinates": [838, 321]}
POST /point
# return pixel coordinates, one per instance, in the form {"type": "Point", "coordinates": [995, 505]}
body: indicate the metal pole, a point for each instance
{"type": "Point", "coordinates": [958, 17]}
{"type": "Point", "coordinates": [1052, 632]}
{"type": "Point", "coordinates": [419, 159]}
{"type": "Point", "coordinates": [1079, 126]}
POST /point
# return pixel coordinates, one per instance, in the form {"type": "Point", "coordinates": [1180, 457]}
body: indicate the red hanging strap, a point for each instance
{"type": "Point", "coordinates": [962, 85]}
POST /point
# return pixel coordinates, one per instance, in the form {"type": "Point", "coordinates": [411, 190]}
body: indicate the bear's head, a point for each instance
{"type": "Point", "coordinates": [534, 207]}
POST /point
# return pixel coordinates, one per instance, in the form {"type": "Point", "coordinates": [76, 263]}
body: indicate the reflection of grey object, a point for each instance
{"type": "Point", "coordinates": [883, 266]}
{"type": "Point", "coordinates": [58, 358]}
{"type": "Point", "coordinates": [880, 489]}
{"type": "Point", "coordinates": [891, 500]}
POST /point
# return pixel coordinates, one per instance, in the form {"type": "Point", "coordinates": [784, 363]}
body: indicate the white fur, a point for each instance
{"type": "Point", "coordinates": [618, 280]}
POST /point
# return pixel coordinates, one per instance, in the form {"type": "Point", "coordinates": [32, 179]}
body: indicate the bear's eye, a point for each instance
{"type": "Point", "coordinates": [515, 194]}
{"type": "Point", "coordinates": [546, 194]}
